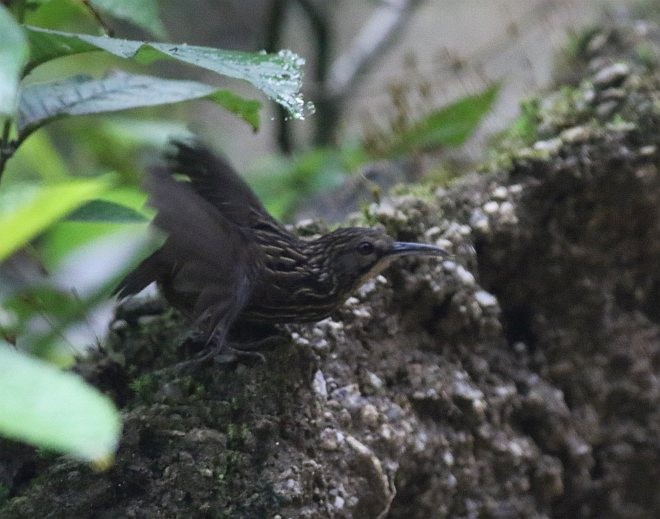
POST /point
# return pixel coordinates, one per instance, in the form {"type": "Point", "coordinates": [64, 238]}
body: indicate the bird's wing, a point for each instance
{"type": "Point", "coordinates": [213, 178]}
{"type": "Point", "coordinates": [204, 252]}
{"type": "Point", "coordinates": [193, 225]}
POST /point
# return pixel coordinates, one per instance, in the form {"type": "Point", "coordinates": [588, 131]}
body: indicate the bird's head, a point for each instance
{"type": "Point", "coordinates": [356, 254]}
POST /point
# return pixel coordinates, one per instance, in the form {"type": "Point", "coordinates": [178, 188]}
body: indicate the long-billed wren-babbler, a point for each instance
{"type": "Point", "coordinates": [226, 260]}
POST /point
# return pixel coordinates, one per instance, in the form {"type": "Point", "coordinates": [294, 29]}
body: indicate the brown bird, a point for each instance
{"type": "Point", "coordinates": [226, 260]}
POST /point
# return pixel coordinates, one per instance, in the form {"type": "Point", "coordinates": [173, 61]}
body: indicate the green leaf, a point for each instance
{"type": "Point", "coordinates": [27, 210]}
{"type": "Point", "coordinates": [46, 407]}
{"type": "Point", "coordinates": [83, 95]}
{"type": "Point", "coordinates": [285, 182]}
{"type": "Point", "coordinates": [131, 131]}
{"type": "Point", "coordinates": [143, 13]}
{"type": "Point", "coordinates": [13, 57]}
{"type": "Point", "coordinates": [60, 15]}
{"type": "Point", "coordinates": [246, 109]}
{"type": "Point", "coordinates": [37, 159]}
{"type": "Point", "coordinates": [449, 126]}
{"type": "Point", "coordinates": [104, 211]}
{"type": "Point", "coordinates": [279, 76]}
{"type": "Point", "coordinates": [66, 236]}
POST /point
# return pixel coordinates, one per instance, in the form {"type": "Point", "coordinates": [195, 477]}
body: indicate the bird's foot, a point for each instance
{"type": "Point", "coordinates": [229, 352]}
{"type": "Point", "coordinates": [248, 350]}
{"type": "Point", "coordinates": [222, 355]}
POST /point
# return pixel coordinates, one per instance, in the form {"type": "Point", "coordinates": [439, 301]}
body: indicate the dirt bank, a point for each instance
{"type": "Point", "coordinates": [520, 379]}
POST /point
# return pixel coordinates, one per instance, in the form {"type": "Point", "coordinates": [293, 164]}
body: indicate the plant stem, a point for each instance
{"type": "Point", "coordinates": [6, 148]}
{"type": "Point", "coordinates": [19, 10]}
{"type": "Point", "coordinates": [274, 28]}
{"type": "Point", "coordinates": [106, 28]}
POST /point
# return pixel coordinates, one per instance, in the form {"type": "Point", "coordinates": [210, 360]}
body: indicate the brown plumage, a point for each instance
{"type": "Point", "coordinates": [226, 259]}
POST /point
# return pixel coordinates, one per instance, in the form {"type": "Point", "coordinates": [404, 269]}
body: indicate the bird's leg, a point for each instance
{"type": "Point", "coordinates": [254, 338]}
{"type": "Point", "coordinates": [244, 350]}
{"type": "Point", "coordinates": [229, 354]}
{"type": "Point", "coordinates": [260, 344]}
{"type": "Point", "coordinates": [221, 350]}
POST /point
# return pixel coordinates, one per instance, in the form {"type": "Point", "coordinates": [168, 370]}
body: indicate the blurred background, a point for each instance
{"type": "Point", "coordinates": [438, 51]}
{"type": "Point", "coordinates": [402, 90]}
{"type": "Point", "coordinates": [371, 68]}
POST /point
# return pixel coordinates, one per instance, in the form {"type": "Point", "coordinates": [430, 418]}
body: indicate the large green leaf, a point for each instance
{"type": "Point", "coordinates": [43, 406]}
{"type": "Point", "coordinates": [143, 13]}
{"type": "Point", "coordinates": [27, 210]}
{"type": "Point", "coordinates": [279, 76]}
{"type": "Point", "coordinates": [59, 14]}
{"type": "Point", "coordinates": [13, 56]}
{"type": "Point", "coordinates": [106, 211]}
{"type": "Point", "coordinates": [83, 95]}
{"type": "Point", "coordinates": [449, 126]}
{"type": "Point", "coordinates": [119, 210]}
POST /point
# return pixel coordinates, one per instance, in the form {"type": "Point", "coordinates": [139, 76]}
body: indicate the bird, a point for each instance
{"type": "Point", "coordinates": [226, 261]}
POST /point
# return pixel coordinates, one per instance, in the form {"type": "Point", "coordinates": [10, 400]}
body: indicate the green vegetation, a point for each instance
{"type": "Point", "coordinates": [287, 180]}
{"type": "Point", "coordinates": [56, 218]}
{"type": "Point", "coordinates": [89, 426]}
{"type": "Point", "coordinates": [69, 195]}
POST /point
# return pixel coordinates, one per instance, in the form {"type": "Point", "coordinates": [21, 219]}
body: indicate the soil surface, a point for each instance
{"type": "Point", "coordinates": [520, 378]}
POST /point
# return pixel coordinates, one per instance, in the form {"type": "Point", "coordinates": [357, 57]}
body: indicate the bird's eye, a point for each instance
{"type": "Point", "coordinates": [365, 248]}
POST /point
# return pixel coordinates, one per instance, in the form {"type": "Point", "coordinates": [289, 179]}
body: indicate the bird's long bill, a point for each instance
{"type": "Point", "coordinates": [402, 248]}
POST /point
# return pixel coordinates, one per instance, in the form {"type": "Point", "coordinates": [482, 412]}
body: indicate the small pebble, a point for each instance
{"type": "Point", "coordinates": [515, 449]}
{"type": "Point", "coordinates": [485, 299]}
{"type": "Point", "coordinates": [374, 380]}
{"type": "Point", "coordinates": [369, 415]}
{"type": "Point", "coordinates": [606, 109]}
{"type": "Point", "coordinates": [479, 221]}
{"type": "Point", "coordinates": [508, 213]}
{"type": "Point", "coordinates": [589, 95]}
{"type": "Point", "coordinates": [319, 384]}
{"type": "Point", "coordinates": [647, 151]}
{"type": "Point", "coordinates": [614, 94]}
{"type": "Point", "coordinates": [344, 418]}
{"type": "Point", "coordinates": [500, 192]}
{"type": "Point", "coordinates": [432, 233]}
{"type": "Point", "coordinates": [445, 244]}
{"type": "Point", "coordinates": [116, 326]}
{"type": "Point", "coordinates": [448, 458]}
{"type": "Point", "coordinates": [612, 75]}
{"type": "Point", "coordinates": [349, 396]}
{"type": "Point", "coordinates": [449, 266]}
{"type": "Point", "coordinates": [465, 230]}
{"type": "Point", "coordinates": [367, 288]}
{"type": "Point", "coordinates": [145, 320]}
{"type": "Point", "coordinates": [575, 134]}
{"type": "Point", "coordinates": [550, 145]}
{"type": "Point", "coordinates": [465, 276]}
{"type": "Point", "coordinates": [596, 43]}
{"type": "Point", "coordinates": [331, 439]}
{"type": "Point", "coordinates": [362, 313]}
{"type": "Point", "coordinates": [491, 207]}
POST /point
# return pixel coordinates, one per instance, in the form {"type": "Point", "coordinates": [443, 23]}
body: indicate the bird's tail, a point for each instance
{"type": "Point", "coordinates": [139, 278]}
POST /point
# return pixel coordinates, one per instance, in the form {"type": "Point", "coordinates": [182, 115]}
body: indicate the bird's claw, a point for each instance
{"type": "Point", "coordinates": [229, 355]}
{"type": "Point", "coordinates": [223, 354]}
